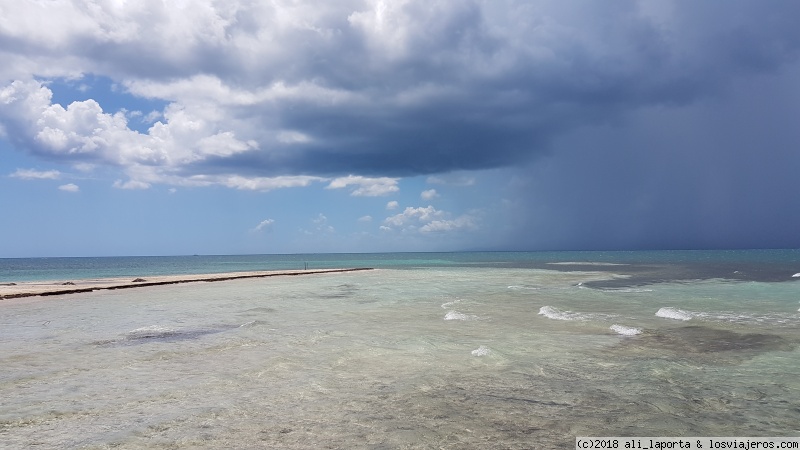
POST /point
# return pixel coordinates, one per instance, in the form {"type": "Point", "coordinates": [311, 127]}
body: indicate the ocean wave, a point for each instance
{"type": "Point", "coordinates": [455, 315]}
{"type": "Point", "coordinates": [252, 323]}
{"type": "Point", "coordinates": [557, 314]}
{"type": "Point", "coordinates": [673, 313]}
{"type": "Point", "coordinates": [585, 263]}
{"type": "Point", "coordinates": [625, 290]}
{"type": "Point", "coordinates": [449, 304]}
{"type": "Point", "coordinates": [530, 288]}
{"type": "Point", "coordinates": [729, 317]}
{"type": "Point", "coordinates": [481, 351]}
{"type": "Point", "coordinates": [626, 331]}
{"type": "Point", "coordinates": [796, 275]}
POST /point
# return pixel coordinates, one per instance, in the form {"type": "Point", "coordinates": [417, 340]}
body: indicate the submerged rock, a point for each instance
{"type": "Point", "coordinates": [704, 342]}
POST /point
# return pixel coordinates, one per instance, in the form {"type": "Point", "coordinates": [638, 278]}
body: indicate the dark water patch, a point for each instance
{"type": "Point", "coordinates": [253, 323]}
{"type": "Point", "coordinates": [701, 341]}
{"type": "Point", "coordinates": [648, 274]}
{"type": "Point", "coordinates": [261, 310]}
{"type": "Point", "coordinates": [341, 291]}
{"type": "Point", "coordinates": [162, 335]}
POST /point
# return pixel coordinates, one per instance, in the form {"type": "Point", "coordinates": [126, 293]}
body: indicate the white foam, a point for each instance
{"type": "Point", "coordinates": [796, 275]}
{"type": "Point", "coordinates": [626, 331]}
{"type": "Point", "coordinates": [449, 304]}
{"type": "Point", "coordinates": [673, 313]}
{"type": "Point", "coordinates": [557, 314]}
{"type": "Point", "coordinates": [749, 319]}
{"type": "Point", "coordinates": [729, 317]}
{"type": "Point", "coordinates": [531, 288]}
{"type": "Point", "coordinates": [481, 351]}
{"type": "Point", "coordinates": [585, 263]}
{"type": "Point", "coordinates": [626, 290]}
{"type": "Point", "coordinates": [455, 315]}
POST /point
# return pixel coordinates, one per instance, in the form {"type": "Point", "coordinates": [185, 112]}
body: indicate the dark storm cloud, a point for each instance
{"type": "Point", "coordinates": [475, 88]}
{"type": "Point", "coordinates": [717, 174]}
{"type": "Point", "coordinates": [422, 87]}
{"type": "Point", "coordinates": [631, 124]}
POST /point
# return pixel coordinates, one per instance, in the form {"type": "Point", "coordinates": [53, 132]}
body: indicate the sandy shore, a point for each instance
{"type": "Point", "coordinates": [61, 287]}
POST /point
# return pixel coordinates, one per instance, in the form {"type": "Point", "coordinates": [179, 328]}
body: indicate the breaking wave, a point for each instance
{"type": "Point", "coordinates": [626, 331]}
{"type": "Point", "coordinates": [729, 317]}
{"type": "Point", "coordinates": [673, 313]}
{"type": "Point", "coordinates": [449, 304]}
{"type": "Point", "coordinates": [481, 351]}
{"type": "Point", "coordinates": [557, 314]}
{"type": "Point", "coordinates": [529, 288]}
{"type": "Point", "coordinates": [585, 263]}
{"type": "Point", "coordinates": [455, 315]}
{"type": "Point", "coordinates": [625, 290]}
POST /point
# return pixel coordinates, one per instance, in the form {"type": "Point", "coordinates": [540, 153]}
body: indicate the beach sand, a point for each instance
{"type": "Point", "coordinates": [61, 287]}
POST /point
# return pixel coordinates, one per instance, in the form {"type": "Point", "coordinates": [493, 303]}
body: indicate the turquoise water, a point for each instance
{"type": "Point", "coordinates": [429, 351]}
{"type": "Point", "coordinates": [772, 265]}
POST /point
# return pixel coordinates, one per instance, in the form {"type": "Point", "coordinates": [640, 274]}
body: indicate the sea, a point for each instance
{"type": "Point", "coordinates": [473, 350]}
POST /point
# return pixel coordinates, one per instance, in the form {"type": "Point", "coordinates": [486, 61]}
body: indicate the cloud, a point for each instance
{"type": "Point", "coordinates": [413, 215]}
{"type": "Point", "coordinates": [265, 225]}
{"type": "Point", "coordinates": [83, 134]}
{"type": "Point", "coordinates": [392, 205]}
{"type": "Point", "coordinates": [131, 184]}
{"type": "Point", "coordinates": [365, 219]}
{"type": "Point", "coordinates": [249, 183]}
{"type": "Point", "coordinates": [69, 187]}
{"type": "Point", "coordinates": [452, 180]}
{"type": "Point", "coordinates": [84, 167]}
{"type": "Point", "coordinates": [460, 223]}
{"type": "Point", "coordinates": [429, 194]}
{"type": "Point", "coordinates": [375, 89]}
{"type": "Point", "coordinates": [367, 187]}
{"type": "Point", "coordinates": [356, 95]}
{"type": "Point", "coordinates": [321, 225]}
{"type": "Point", "coordinates": [32, 174]}
{"type": "Point", "coordinates": [428, 220]}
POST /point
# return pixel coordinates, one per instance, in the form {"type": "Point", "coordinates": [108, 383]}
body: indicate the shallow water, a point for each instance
{"type": "Point", "coordinates": [443, 357]}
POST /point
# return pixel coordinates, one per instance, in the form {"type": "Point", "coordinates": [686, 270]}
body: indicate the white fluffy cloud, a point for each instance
{"type": "Point", "coordinates": [429, 194]}
{"type": "Point", "coordinates": [321, 226]}
{"type": "Point", "coordinates": [69, 187]}
{"type": "Point", "coordinates": [82, 132]}
{"type": "Point", "coordinates": [366, 187]}
{"type": "Point", "coordinates": [264, 225]}
{"type": "Point", "coordinates": [131, 184]}
{"type": "Point", "coordinates": [32, 174]}
{"type": "Point", "coordinates": [464, 222]}
{"type": "Point", "coordinates": [428, 220]}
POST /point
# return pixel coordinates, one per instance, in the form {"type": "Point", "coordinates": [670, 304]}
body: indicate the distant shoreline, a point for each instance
{"type": "Point", "coordinates": [63, 287]}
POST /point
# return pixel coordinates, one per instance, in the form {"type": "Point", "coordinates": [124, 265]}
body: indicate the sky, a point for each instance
{"type": "Point", "coordinates": [155, 127]}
